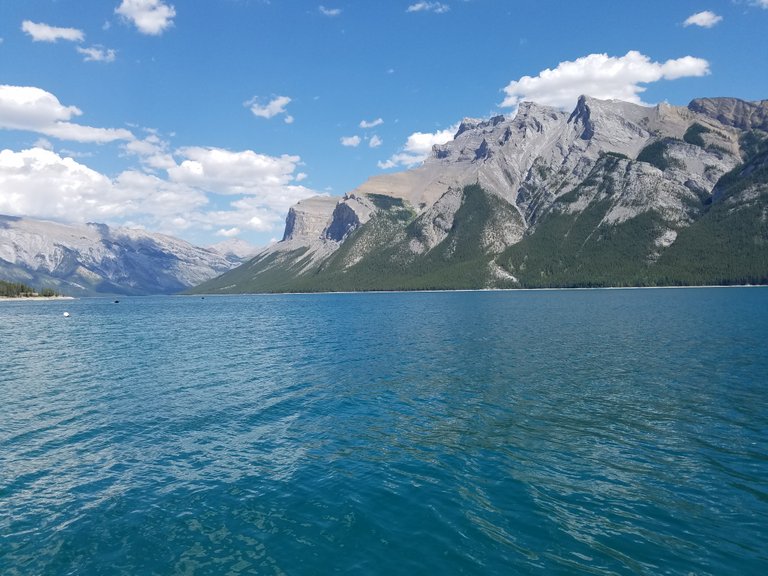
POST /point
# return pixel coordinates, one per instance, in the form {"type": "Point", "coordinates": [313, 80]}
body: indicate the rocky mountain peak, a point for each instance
{"type": "Point", "coordinates": [592, 196]}
{"type": "Point", "coordinates": [478, 124]}
{"type": "Point", "coordinates": [733, 112]}
{"type": "Point", "coordinates": [235, 249]}
{"type": "Point", "coordinates": [307, 219]}
{"type": "Point", "coordinates": [581, 115]}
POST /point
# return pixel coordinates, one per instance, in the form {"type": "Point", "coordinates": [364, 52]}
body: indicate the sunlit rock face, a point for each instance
{"type": "Point", "coordinates": [620, 165]}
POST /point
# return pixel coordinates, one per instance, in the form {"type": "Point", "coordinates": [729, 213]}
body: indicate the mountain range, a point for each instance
{"type": "Point", "coordinates": [608, 194]}
{"type": "Point", "coordinates": [92, 259]}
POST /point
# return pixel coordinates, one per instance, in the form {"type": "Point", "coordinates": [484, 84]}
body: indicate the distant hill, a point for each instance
{"type": "Point", "coordinates": [93, 259]}
{"type": "Point", "coordinates": [608, 194]}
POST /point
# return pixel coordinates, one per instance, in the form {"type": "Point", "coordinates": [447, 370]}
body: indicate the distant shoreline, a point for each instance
{"type": "Point", "coordinates": [448, 290]}
{"type": "Point", "coordinates": [33, 298]}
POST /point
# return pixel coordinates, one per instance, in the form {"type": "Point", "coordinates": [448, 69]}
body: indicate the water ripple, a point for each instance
{"type": "Point", "coordinates": [583, 432]}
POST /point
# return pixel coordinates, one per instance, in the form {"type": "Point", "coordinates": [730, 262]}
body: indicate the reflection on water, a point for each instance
{"type": "Point", "coordinates": [602, 432]}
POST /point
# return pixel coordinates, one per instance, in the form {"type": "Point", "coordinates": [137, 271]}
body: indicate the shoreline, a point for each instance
{"type": "Point", "coordinates": [448, 291]}
{"type": "Point", "coordinates": [34, 298]}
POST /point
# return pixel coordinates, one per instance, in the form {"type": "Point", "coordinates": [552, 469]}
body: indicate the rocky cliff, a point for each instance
{"type": "Point", "coordinates": [600, 195]}
{"type": "Point", "coordinates": [734, 112]}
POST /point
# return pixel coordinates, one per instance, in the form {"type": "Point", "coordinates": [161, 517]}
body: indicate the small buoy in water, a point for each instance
{"type": "Point", "coordinates": [66, 314]}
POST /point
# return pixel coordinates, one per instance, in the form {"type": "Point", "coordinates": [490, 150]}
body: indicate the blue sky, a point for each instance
{"type": "Point", "coordinates": [208, 119]}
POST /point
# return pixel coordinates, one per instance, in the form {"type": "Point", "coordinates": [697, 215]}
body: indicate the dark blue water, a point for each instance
{"type": "Point", "coordinates": [568, 432]}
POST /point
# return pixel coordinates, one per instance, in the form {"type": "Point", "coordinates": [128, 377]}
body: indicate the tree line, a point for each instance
{"type": "Point", "coordinates": [20, 290]}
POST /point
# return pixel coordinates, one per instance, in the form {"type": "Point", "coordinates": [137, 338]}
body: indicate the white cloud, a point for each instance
{"type": "Point", "coordinates": [150, 17]}
{"type": "Point", "coordinates": [226, 172]}
{"type": "Point", "coordinates": [350, 141]}
{"type": "Point", "coordinates": [436, 7]}
{"type": "Point", "coordinates": [43, 143]}
{"type": "Point", "coordinates": [273, 108]}
{"type": "Point", "coordinates": [97, 54]}
{"type": "Point", "coordinates": [762, 3]}
{"type": "Point", "coordinates": [418, 147]}
{"type": "Point", "coordinates": [372, 123]}
{"type": "Point", "coordinates": [228, 232]}
{"type": "Point", "coordinates": [44, 33]}
{"type": "Point", "coordinates": [329, 11]}
{"type": "Point", "coordinates": [262, 188]}
{"type": "Point", "coordinates": [35, 110]}
{"type": "Point", "coordinates": [29, 108]}
{"type": "Point", "coordinates": [152, 151]}
{"type": "Point", "coordinates": [80, 133]}
{"type": "Point", "coordinates": [600, 76]}
{"type": "Point", "coordinates": [155, 200]}
{"type": "Point", "coordinates": [41, 183]}
{"type": "Point", "coordinates": [705, 19]}
{"type": "Point", "coordinates": [375, 141]}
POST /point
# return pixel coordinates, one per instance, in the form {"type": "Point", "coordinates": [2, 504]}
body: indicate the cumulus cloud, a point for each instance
{"type": "Point", "coordinates": [350, 141]}
{"type": "Point", "coordinates": [43, 184]}
{"type": "Point", "coordinates": [261, 187]}
{"type": "Point", "coordinates": [44, 33]}
{"type": "Point", "coordinates": [600, 76]}
{"type": "Point", "coordinates": [227, 172]}
{"type": "Point", "coordinates": [273, 108]}
{"type": "Point", "coordinates": [151, 17]}
{"type": "Point", "coordinates": [705, 19]}
{"type": "Point", "coordinates": [375, 141]}
{"type": "Point", "coordinates": [153, 152]}
{"type": "Point", "coordinates": [155, 200]}
{"type": "Point", "coordinates": [372, 123]}
{"type": "Point", "coordinates": [34, 109]}
{"type": "Point", "coordinates": [97, 54]}
{"type": "Point", "coordinates": [228, 232]}
{"type": "Point", "coordinates": [329, 11]}
{"type": "Point", "coordinates": [436, 7]}
{"type": "Point", "coordinates": [39, 182]}
{"type": "Point", "coordinates": [418, 147]}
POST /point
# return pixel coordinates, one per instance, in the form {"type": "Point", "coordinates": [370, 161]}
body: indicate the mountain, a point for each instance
{"type": "Point", "coordinates": [609, 194]}
{"type": "Point", "coordinates": [235, 249]}
{"type": "Point", "coordinates": [93, 259]}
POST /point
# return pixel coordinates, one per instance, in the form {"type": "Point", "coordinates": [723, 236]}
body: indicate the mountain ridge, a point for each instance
{"type": "Point", "coordinates": [594, 196]}
{"type": "Point", "coordinates": [93, 258]}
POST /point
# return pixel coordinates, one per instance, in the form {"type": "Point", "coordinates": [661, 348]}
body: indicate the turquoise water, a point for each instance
{"type": "Point", "coordinates": [554, 432]}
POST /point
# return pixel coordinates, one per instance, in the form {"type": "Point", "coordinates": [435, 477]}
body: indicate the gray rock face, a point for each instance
{"type": "Point", "coordinates": [734, 112]}
{"type": "Point", "coordinates": [543, 152]}
{"type": "Point", "coordinates": [95, 258]}
{"type": "Point", "coordinates": [308, 218]}
{"type": "Point", "coordinates": [436, 222]}
{"type": "Point", "coordinates": [632, 160]}
{"type": "Point", "coordinates": [350, 213]}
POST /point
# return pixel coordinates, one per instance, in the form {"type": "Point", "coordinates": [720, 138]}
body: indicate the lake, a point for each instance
{"type": "Point", "coordinates": [523, 432]}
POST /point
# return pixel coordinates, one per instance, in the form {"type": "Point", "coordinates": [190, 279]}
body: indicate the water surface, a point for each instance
{"type": "Point", "coordinates": [537, 432]}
